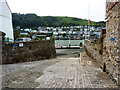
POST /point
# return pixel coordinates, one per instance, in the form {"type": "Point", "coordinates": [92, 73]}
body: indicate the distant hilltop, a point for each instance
{"type": "Point", "coordinates": [34, 21]}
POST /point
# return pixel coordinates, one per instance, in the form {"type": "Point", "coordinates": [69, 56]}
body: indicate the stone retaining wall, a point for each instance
{"type": "Point", "coordinates": [92, 50]}
{"type": "Point", "coordinates": [31, 51]}
{"type": "Point", "coordinates": [110, 59]}
{"type": "Point", "coordinates": [2, 38]}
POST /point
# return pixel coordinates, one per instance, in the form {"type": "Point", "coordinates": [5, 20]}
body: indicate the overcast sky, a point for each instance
{"type": "Point", "coordinates": [92, 9]}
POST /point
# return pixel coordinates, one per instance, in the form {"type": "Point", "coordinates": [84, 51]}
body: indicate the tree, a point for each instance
{"type": "Point", "coordinates": [64, 35]}
{"type": "Point", "coordinates": [16, 35]}
{"type": "Point", "coordinates": [33, 21]}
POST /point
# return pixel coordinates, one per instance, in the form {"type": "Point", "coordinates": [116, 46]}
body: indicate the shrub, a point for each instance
{"type": "Point", "coordinates": [101, 39]}
{"type": "Point", "coordinates": [100, 42]}
{"type": "Point", "coordinates": [52, 38]}
{"type": "Point", "coordinates": [37, 38]}
{"type": "Point", "coordinates": [22, 35]}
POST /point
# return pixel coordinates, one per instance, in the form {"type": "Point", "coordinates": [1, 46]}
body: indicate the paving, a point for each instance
{"type": "Point", "coordinates": [62, 72]}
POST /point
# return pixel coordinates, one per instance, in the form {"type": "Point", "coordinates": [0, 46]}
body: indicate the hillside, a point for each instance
{"type": "Point", "coordinates": [34, 21]}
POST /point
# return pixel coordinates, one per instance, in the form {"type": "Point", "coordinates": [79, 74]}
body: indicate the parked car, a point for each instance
{"type": "Point", "coordinates": [23, 40]}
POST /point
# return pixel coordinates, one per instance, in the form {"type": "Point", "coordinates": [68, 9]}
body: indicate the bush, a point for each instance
{"type": "Point", "coordinates": [52, 38]}
{"type": "Point", "coordinates": [37, 38]}
{"type": "Point", "coordinates": [101, 39]}
{"type": "Point", "coordinates": [22, 35]}
{"type": "Point", "coordinates": [100, 42]}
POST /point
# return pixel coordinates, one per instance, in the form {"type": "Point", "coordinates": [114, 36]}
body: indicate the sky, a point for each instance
{"type": "Point", "coordinates": [92, 9]}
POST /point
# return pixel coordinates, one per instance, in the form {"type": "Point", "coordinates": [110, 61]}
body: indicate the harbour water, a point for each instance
{"type": "Point", "coordinates": [66, 42]}
{"type": "Point", "coordinates": [59, 43]}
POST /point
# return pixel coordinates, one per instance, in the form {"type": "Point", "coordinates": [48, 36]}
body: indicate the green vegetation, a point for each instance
{"type": "Point", "coordinates": [100, 42]}
{"type": "Point", "coordinates": [101, 23]}
{"type": "Point", "coordinates": [52, 38]}
{"type": "Point", "coordinates": [33, 21]}
{"type": "Point", "coordinates": [37, 38]}
{"type": "Point", "coordinates": [16, 35]}
{"type": "Point", "coordinates": [22, 35]}
{"type": "Point", "coordinates": [64, 35]}
{"type": "Point", "coordinates": [49, 34]}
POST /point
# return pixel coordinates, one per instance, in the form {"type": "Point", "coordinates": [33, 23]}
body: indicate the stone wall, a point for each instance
{"type": "Point", "coordinates": [111, 50]}
{"type": "Point", "coordinates": [30, 51]}
{"type": "Point", "coordinates": [110, 58]}
{"type": "Point", "coordinates": [92, 49]}
{"type": "Point", "coordinates": [2, 38]}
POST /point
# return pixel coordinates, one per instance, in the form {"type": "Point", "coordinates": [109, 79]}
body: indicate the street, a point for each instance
{"type": "Point", "coordinates": [61, 72]}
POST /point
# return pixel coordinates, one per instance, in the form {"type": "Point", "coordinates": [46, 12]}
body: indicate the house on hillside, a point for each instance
{"type": "Point", "coordinates": [27, 29]}
{"type": "Point", "coordinates": [6, 19]}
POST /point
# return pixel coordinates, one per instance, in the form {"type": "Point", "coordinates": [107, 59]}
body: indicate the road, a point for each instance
{"type": "Point", "coordinates": [62, 72]}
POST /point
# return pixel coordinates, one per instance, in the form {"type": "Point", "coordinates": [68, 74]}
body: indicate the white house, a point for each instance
{"type": "Point", "coordinates": [27, 29]}
{"type": "Point", "coordinates": [55, 33]}
{"type": "Point", "coordinates": [24, 34]}
{"type": "Point", "coordinates": [6, 19]}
